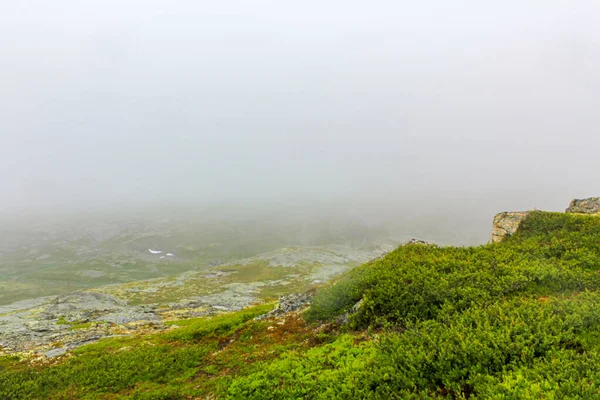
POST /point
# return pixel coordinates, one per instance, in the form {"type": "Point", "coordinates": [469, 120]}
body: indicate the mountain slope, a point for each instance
{"type": "Point", "coordinates": [517, 319]}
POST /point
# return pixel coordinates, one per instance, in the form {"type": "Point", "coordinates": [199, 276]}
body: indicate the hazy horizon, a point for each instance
{"type": "Point", "coordinates": [117, 104]}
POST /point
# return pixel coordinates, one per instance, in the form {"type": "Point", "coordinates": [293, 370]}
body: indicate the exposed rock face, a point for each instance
{"type": "Point", "coordinates": [585, 206]}
{"type": "Point", "coordinates": [71, 320]}
{"type": "Point", "coordinates": [507, 223]}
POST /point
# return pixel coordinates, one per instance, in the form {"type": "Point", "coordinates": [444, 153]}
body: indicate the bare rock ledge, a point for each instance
{"type": "Point", "coordinates": [507, 223]}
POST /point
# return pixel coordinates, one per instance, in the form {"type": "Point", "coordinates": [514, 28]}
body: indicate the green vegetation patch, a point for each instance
{"type": "Point", "coordinates": [507, 350]}
{"type": "Point", "coordinates": [551, 253]}
{"type": "Point", "coordinates": [200, 357]}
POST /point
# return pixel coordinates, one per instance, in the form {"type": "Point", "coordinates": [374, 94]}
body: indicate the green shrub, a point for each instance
{"type": "Point", "coordinates": [333, 371]}
{"type": "Point", "coordinates": [483, 351]}
{"type": "Point", "coordinates": [552, 253]}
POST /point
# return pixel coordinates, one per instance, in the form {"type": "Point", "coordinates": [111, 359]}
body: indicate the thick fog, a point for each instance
{"type": "Point", "coordinates": [389, 103]}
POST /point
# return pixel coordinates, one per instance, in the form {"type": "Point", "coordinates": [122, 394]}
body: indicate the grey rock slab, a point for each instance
{"type": "Point", "coordinates": [127, 316]}
{"type": "Point", "coordinates": [228, 300]}
{"type": "Point", "coordinates": [81, 304]}
{"type": "Point", "coordinates": [56, 352]}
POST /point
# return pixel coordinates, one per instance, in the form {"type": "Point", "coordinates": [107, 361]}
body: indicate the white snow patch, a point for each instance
{"type": "Point", "coordinates": [170, 255]}
{"type": "Point", "coordinates": [162, 256]}
{"type": "Point", "coordinates": [154, 251]}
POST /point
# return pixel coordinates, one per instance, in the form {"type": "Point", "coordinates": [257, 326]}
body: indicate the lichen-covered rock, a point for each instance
{"type": "Point", "coordinates": [585, 206]}
{"type": "Point", "coordinates": [507, 223]}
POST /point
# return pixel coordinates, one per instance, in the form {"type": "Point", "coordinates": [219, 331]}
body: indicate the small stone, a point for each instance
{"type": "Point", "coordinates": [357, 306]}
{"type": "Point", "coordinates": [416, 241]}
{"type": "Point", "coordinates": [56, 352]}
{"type": "Point", "coordinates": [345, 317]}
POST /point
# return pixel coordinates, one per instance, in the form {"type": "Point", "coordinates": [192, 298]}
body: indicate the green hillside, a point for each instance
{"type": "Point", "coordinates": [518, 319]}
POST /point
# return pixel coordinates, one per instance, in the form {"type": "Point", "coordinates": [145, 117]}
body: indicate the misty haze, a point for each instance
{"type": "Point", "coordinates": [168, 164]}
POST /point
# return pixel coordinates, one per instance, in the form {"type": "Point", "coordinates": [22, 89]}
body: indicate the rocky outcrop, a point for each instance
{"type": "Point", "coordinates": [70, 320]}
{"type": "Point", "coordinates": [585, 206]}
{"type": "Point", "coordinates": [289, 303]}
{"type": "Point", "coordinates": [81, 306]}
{"type": "Point", "coordinates": [507, 223]}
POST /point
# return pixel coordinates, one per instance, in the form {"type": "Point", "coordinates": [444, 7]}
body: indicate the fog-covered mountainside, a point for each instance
{"type": "Point", "coordinates": [131, 272]}
{"type": "Point", "coordinates": [52, 255]}
{"type": "Point", "coordinates": [514, 319]}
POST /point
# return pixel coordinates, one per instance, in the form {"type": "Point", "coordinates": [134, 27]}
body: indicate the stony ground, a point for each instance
{"type": "Point", "coordinates": [53, 325]}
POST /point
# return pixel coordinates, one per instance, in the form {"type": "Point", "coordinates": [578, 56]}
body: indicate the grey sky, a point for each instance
{"type": "Point", "coordinates": [111, 102]}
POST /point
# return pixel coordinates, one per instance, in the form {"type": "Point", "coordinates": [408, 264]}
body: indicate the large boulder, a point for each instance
{"type": "Point", "coordinates": [507, 223]}
{"type": "Point", "coordinates": [585, 206]}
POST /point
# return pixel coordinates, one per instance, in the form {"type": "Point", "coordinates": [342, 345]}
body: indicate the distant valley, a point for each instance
{"type": "Point", "coordinates": [41, 257]}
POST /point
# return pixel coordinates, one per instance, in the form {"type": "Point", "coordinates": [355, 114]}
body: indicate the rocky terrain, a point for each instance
{"type": "Point", "coordinates": [55, 324]}
{"type": "Point", "coordinates": [52, 325]}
